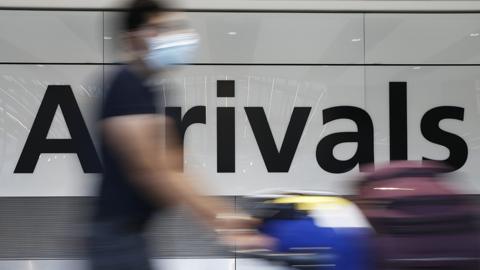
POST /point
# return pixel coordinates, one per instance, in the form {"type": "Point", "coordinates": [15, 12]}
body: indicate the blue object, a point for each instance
{"type": "Point", "coordinates": [349, 247]}
{"type": "Point", "coordinates": [298, 233]}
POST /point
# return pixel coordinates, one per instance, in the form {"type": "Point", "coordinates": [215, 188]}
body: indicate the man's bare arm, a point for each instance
{"type": "Point", "coordinates": [138, 143]}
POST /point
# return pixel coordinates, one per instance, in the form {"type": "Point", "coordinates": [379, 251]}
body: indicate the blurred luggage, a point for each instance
{"type": "Point", "coordinates": [316, 232]}
{"type": "Point", "coordinates": [421, 222]}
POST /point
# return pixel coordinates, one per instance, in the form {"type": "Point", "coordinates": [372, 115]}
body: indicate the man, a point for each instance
{"type": "Point", "coordinates": [138, 177]}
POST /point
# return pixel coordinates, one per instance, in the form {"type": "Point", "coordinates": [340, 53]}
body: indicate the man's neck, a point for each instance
{"type": "Point", "coordinates": [141, 69]}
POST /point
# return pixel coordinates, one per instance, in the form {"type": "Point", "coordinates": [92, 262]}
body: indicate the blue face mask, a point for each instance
{"type": "Point", "coordinates": [169, 50]}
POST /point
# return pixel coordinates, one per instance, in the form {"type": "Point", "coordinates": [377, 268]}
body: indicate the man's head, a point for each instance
{"type": "Point", "coordinates": [156, 36]}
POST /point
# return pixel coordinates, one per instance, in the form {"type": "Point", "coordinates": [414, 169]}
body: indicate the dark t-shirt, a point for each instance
{"type": "Point", "coordinates": [119, 198]}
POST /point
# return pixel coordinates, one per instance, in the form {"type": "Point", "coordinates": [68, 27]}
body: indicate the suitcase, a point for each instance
{"type": "Point", "coordinates": [316, 232]}
{"type": "Point", "coordinates": [420, 221]}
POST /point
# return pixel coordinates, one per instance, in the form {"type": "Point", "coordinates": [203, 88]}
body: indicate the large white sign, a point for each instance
{"type": "Point", "coordinates": [252, 128]}
{"type": "Point", "coordinates": [275, 100]}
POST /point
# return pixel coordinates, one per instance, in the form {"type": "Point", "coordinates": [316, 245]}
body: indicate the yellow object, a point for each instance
{"type": "Point", "coordinates": [308, 203]}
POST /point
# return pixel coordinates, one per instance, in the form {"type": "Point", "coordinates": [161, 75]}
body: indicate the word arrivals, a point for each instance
{"type": "Point", "coordinates": [277, 160]}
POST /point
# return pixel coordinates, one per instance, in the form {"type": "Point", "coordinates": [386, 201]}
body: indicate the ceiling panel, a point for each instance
{"type": "Point", "coordinates": [416, 38]}
{"type": "Point", "coordinates": [309, 5]}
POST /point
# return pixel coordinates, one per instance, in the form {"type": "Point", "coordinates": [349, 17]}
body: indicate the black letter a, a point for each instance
{"type": "Point", "coordinates": [37, 142]}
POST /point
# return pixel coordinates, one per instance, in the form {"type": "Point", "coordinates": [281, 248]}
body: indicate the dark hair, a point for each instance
{"type": "Point", "coordinates": [139, 11]}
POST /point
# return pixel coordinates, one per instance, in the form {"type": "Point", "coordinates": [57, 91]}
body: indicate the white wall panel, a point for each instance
{"type": "Point", "coordinates": [422, 38]}
{"type": "Point", "coordinates": [268, 37]}
{"type": "Point", "coordinates": [50, 36]}
{"type": "Point", "coordinates": [429, 87]}
{"type": "Point", "coordinates": [22, 88]}
{"type": "Point", "coordinates": [112, 39]}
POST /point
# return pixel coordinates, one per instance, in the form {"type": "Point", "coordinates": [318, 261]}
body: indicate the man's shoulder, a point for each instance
{"type": "Point", "coordinates": [125, 75]}
{"type": "Point", "coordinates": [123, 80]}
{"type": "Point", "coordinates": [127, 95]}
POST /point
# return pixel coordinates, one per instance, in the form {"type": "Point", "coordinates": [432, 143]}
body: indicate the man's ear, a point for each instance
{"type": "Point", "coordinates": [135, 43]}
{"type": "Point", "coordinates": [126, 38]}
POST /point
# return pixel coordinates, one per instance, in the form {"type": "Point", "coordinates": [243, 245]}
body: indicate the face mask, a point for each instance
{"type": "Point", "coordinates": [168, 50]}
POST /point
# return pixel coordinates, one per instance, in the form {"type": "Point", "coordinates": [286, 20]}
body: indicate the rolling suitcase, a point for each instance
{"type": "Point", "coordinates": [420, 222]}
